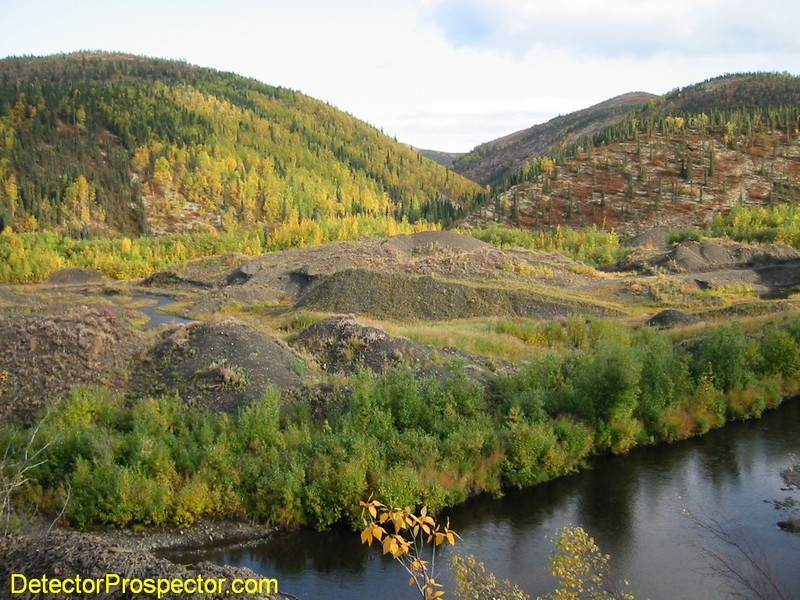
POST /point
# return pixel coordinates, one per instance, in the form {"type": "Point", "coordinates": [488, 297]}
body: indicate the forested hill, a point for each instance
{"type": "Point", "coordinates": [501, 160]}
{"type": "Point", "coordinates": [492, 162]}
{"type": "Point", "coordinates": [112, 143]}
{"type": "Point", "coordinates": [678, 161]}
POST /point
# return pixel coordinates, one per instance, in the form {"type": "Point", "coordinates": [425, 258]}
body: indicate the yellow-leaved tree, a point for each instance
{"type": "Point", "coordinates": [582, 569]}
{"type": "Point", "coordinates": [405, 536]}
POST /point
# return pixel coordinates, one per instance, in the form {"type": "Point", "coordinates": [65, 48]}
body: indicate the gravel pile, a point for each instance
{"type": "Point", "coordinates": [45, 356]}
{"type": "Point", "coordinates": [65, 554]}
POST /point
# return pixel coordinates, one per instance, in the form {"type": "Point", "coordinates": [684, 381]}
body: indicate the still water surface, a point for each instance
{"type": "Point", "coordinates": [632, 505]}
{"type": "Point", "coordinates": [153, 311]}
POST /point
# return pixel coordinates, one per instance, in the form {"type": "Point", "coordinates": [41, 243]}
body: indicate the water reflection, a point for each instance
{"type": "Point", "coordinates": [608, 510]}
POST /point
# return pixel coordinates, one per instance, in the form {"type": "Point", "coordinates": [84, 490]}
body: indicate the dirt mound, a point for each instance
{"type": "Point", "coordinates": [341, 345]}
{"type": "Point", "coordinates": [403, 296]}
{"type": "Point", "coordinates": [418, 243]}
{"type": "Point", "coordinates": [686, 259]}
{"type": "Point", "coordinates": [76, 277]}
{"type": "Point", "coordinates": [46, 356]}
{"type": "Point", "coordinates": [693, 256]}
{"type": "Point", "coordinates": [287, 275]}
{"type": "Point", "coordinates": [218, 366]}
{"type": "Point", "coordinates": [172, 279]}
{"type": "Point", "coordinates": [670, 317]}
{"type": "Point", "coordinates": [655, 238]}
{"type": "Point", "coordinates": [65, 554]}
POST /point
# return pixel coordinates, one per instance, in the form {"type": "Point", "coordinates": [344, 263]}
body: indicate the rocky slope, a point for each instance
{"type": "Point", "coordinates": [492, 162]}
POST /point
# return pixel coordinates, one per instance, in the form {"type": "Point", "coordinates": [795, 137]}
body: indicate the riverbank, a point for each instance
{"type": "Point", "coordinates": [210, 545]}
{"type": "Point", "coordinates": [632, 505]}
{"type": "Point", "coordinates": [64, 558]}
{"type": "Point", "coordinates": [202, 534]}
{"type": "Point", "coordinates": [407, 436]}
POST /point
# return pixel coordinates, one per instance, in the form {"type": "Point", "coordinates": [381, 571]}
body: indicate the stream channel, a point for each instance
{"type": "Point", "coordinates": [632, 505]}
{"type": "Point", "coordinates": [153, 312]}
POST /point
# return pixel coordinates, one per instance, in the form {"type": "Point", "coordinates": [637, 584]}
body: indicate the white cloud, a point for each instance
{"type": "Point", "coordinates": [637, 28]}
{"type": "Point", "coordinates": [440, 74]}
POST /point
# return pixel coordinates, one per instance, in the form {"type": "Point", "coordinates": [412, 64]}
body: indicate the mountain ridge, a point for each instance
{"type": "Point", "coordinates": [494, 162]}
{"type": "Point", "coordinates": [118, 143]}
{"type": "Point", "coordinates": [491, 162]}
{"type": "Point", "coordinates": [679, 161]}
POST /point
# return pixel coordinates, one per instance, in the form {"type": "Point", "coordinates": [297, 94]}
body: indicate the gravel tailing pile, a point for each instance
{"type": "Point", "coordinates": [45, 356]}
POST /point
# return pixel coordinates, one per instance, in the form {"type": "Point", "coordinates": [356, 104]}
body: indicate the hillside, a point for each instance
{"type": "Point", "coordinates": [677, 162]}
{"type": "Point", "coordinates": [443, 158]}
{"type": "Point", "coordinates": [492, 162]}
{"type": "Point", "coordinates": [112, 143]}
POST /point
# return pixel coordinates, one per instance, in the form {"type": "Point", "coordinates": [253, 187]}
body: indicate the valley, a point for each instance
{"type": "Point", "coordinates": [353, 320]}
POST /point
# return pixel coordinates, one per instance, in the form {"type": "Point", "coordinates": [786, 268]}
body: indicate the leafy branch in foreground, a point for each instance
{"type": "Point", "coordinates": [474, 582]}
{"type": "Point", "coordinates": [404, 536]}
{"type": "Point", "coordinates": [582, 569]}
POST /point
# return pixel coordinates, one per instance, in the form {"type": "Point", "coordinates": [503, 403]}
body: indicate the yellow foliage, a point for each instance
{"type": "Point", "coordinates": [582, 569]}
{"type": "Point", "coordinates": [675, 122]}
{"type": "Point", "coordinates": [403, 534]}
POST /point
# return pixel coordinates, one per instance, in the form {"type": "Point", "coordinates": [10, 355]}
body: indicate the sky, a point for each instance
{"type": "Point", "coordinates": [436, 74]}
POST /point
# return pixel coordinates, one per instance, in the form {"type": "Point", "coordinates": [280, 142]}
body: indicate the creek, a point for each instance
{"type": "Point", "coordinates": [153, 312]}
{"type": "Point", "coordinates": [632, 505]}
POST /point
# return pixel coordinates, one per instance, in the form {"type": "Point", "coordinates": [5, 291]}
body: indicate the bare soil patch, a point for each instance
{"type": "Point", "coordinates": [708, 255]}
{"type": "Point", "coordinates": [341, 345]}
{"type": "Point", "coordinates": [425, 241]}
{"type": "Point", "coordinates": [655, 238]}
{"type": "Point", "coordinates": [671, 317]}
{"type": "Point", "coordinates": [288, 275]}
{"type": "Point", "coordinates": [76, 277]}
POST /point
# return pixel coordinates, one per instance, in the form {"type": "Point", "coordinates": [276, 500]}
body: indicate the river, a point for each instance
{"type": "Point", "coordinates": [633, 506]}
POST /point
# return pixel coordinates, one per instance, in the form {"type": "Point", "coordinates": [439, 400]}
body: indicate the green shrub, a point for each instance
{"type": "Point", "coordinates": [664, 379]}
{"type": "Point", "coordinates": [677, 236]}
{"type": "Point", "coordinates": [258, 424]}
{"type": "Point", "coordinates": [576, 438]}
{"type": "Point", "coordinates": [530, 452]}
{"type": "Point", "coordinates": [726, 357]}
{"type": "Point", "coordinates": [607, 386]}
{"type": "Point", "coordinates": [780, 353]}
{"type": "Point", "coordinates": [536, 390]}
{"type": "Point", "coordinates": [94, 495]}
{"type": "Point", "coordinates": [195, 499]}
{"type": "Point", "coordinates": [591, 245]}
{"type": "Point", "coordinates": [707, 405]}
{"type": "Point", "coordinates": [400, 485]}
{"type": "Point", "coordinates": [464, 449]}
